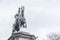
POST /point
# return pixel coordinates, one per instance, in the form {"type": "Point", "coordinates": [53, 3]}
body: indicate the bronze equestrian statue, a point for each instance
{"type": "Point", "coordinates": [20, 20]}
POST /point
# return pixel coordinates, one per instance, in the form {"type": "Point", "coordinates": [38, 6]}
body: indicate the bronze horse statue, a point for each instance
{"type": "Point", "coordinates": [20, 20]}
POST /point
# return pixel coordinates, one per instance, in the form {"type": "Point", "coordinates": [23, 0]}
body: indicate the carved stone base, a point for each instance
{"type": "Point", "coordinates": [22, 36]}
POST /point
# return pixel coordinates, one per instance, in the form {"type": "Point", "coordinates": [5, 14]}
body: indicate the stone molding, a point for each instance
{"type": "Point", "coordinates": [22, 35]}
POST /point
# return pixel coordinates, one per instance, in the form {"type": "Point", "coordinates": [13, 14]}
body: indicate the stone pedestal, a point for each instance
{"type": "Point", "coordinates": [22, 36]}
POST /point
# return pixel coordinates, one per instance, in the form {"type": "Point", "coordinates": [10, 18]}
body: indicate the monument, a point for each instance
{"type": "Point", "coordinates": [20, 22]}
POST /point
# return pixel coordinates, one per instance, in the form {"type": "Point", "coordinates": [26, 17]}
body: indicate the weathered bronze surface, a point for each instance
{"type": "Point", "coordinates": [20, 20]}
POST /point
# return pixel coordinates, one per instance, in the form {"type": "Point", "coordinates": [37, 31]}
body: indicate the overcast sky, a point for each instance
{"type": "Point", "coordinates": [42, 16]}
